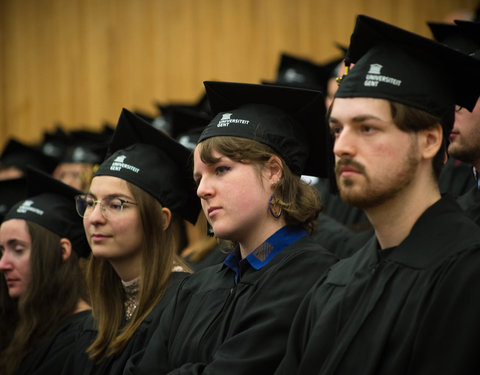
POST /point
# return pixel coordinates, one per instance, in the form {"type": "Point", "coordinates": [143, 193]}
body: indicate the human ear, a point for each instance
{"type": "Point", "coordinates": [274, 169]}
{"type": "Point", "coordinates": [66, 246]}
{"type": "Point", "coordinates": [431, 141]}
{"type": "Point", "coordinates": [167, 217]}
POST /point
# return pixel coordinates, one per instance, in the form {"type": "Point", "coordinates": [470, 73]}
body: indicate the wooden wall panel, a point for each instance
{"type": "Point", "coordinates": [78, 62]}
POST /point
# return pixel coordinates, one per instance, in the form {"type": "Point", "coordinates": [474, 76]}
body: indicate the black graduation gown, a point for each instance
{"type": "Point", "coordinates": [414, 310]}
{"type": "Point", "coordinates": [217, 255]}
{"type": "Point", "coordinates": [337, 238]}
{"type": "Point", "coordinates": [219, 327]}
{"type": "Point", "coordinates": [456, 178]}
{"type": "Point", "coordinates": [470, 203]}
{"type": "Point", "coordinates": [49, 358]}
{"type": "Point", "coordinates": [79, 363]}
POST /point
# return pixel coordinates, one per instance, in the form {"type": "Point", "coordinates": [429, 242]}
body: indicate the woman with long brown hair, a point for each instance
{"type": "Point", "coordinates": [136, 198]}
{"type": "Point", "coordinates": [41, 241]}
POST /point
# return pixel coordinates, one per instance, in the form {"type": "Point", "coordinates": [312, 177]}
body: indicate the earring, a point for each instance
{"type": "Point", "coordinates": [270, 208]}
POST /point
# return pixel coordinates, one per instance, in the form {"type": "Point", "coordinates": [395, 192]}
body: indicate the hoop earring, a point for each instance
{"type": "Point", "coordinates": [270, 208]}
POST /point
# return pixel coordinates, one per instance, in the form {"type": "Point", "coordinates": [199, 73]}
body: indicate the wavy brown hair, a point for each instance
{"type": "Point", "coordinates": [52, 295]}
{"type": "Point", "coordinates": [299, 202]}
{"type": "Point", "coordinates": [159, 255]}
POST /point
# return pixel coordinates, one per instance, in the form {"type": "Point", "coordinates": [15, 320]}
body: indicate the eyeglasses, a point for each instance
{"type": "Point", "coordinates": [109, 206]}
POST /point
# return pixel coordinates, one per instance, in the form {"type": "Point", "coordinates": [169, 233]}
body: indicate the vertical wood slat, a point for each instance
{"type": "Point", "coordinates": [78, 62]}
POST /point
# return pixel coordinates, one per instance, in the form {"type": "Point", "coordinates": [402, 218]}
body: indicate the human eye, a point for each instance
{"type": "Point", "coordinates": [220, 170]}
{"type": "Point", "coordinates": [367, 129]}
{"type": "Point", "coordinates": [19, 250]}
{"type": "Point", "coordinates": [335, 130]}
{"type": "Point", "coordinates": [114, 204]}
{"type": "Point", "coordinates": [89, 201]}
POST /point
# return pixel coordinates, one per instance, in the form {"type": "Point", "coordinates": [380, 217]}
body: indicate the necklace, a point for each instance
{"type": "Point", "coordinates": [131, 298]}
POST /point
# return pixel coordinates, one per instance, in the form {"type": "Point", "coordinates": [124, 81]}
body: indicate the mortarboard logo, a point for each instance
{"type": "Point", "coordinates": [118, 164]}
{"type": "Point", "coordinates": [227, 120]}
{"type": "Point", "coordinates": [291, 75]}
{"type": "Point", "coordinates": [27, 206]}
{"type": "Point", "coordinates": [120, 159]}
{"type": "Point", "coordinates": [375, 69]}
{"type": "Point", "coordinates": [374, 77]}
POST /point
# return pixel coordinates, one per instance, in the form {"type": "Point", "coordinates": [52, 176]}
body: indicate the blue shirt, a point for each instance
{"type": "Point", "coordinates": [264, 253]}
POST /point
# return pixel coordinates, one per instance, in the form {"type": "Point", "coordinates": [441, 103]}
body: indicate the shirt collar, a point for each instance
{"type": "Point", "coordinates": [264, 253]}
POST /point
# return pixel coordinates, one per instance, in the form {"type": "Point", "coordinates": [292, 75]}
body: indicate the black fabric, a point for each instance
{"type": "Point", "coordinates": [153, 161]}
{"type": "Point", "coordinates": [289, 120]}
{"type": "Point", "coordinates": [49, 358]}
{"type": "Point", "coordinates": [20, 155]}
{"type": "Point", "coordinates": [470, 203]}
{"type": "Point", "coordinates": [471, 31]}
{"type": "Point", "coordinates": [456, 178]}
{"type": "Point", "coordinates": [456, 37]}
{"type": "Point", "coordinates": [413, 311]}
{"type": "Point", "coordinates": [51, 204]}
{"type": "Point", "coordinates": [397, 65]}
{"type": "Point", "coordinates": [295, 71]}
{"type": "Point", "coordinates": [337, 238]}
{"type": "Point", "coordinates": [78, 361]}
{"type": "Point", "coordinates": [11, 191]}
{"type": "Point", "coordinates": [216, 256]}
{"type": "Point", "coordinates": [218, 327]}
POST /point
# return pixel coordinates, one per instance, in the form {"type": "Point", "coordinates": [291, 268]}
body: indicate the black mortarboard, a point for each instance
{"type": "Point", "coordinates": [471, 31]}
{"type": "Point", "coordinates": [300, 72]}
{"type": "Point", "coordinates": [182, 119]}
{"type": "Point", "coordinates": [19, 155]}
{"type": "Point", "coordinates": [11, 191]}
{"type": "Point", "coordinates": [457, 37]}
{"type": "Point", "coordinates": [86, 147]}
{"type": "Point", "coordinates": [153, 161]}
{"type": "Point", "coordinates": [289, 120]}
{"type": "Point", "coordinates": [51, 204]}
{"type": "Point", "coordinates": [55, 144]}
{"type": "Point", "coordinates": [394, 64]}
{"type": "Point", "coordinates": [144, 116]}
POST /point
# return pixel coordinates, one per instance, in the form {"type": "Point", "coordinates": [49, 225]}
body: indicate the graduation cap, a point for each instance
{"type": "Point", "coordinates": [51, 204]}
{"type": "Point", "coordinates": [19, 155]}
{"type": "Point", "coordinates": [299, 72]}
{"type": "Point", "coordinates": [11, 191]}
{"type": "Point", "coordinates": [458, 36]}
{"type": "Point", "coordinates": [86, 147]}
{"type": "Point", "coordinates": [55, 144]}
{"type": "Point", "coordinates": [153, 161]}
{"type": "Point", "coordinates": [172, 121]}
{"type": "Point", "coordinates": [144, 116]}
{"type": "Point", "coordinates": [471, 31]}
{"type": "Point", "coordinates": [397, 65]}
{"type": "Point", "coordinates": [289, 120]}
{"type": "Point", "coordinates": [182, 119]}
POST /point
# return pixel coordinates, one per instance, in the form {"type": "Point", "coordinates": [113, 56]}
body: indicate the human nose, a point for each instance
{"type": "Point", "coordinates": [97, 213]}
{"type": "Point", "coordinates": [204, 189]}
{"type": "Point", "coordinates": [344, 143]}
{"type": "Point", "coordinates": [5, 264]}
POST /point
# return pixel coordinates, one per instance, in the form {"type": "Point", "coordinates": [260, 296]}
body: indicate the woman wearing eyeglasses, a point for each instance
{"type": "Point", "coordinates": [42, 244]}
{"type": "Point", "coordinates": [135, 199]}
